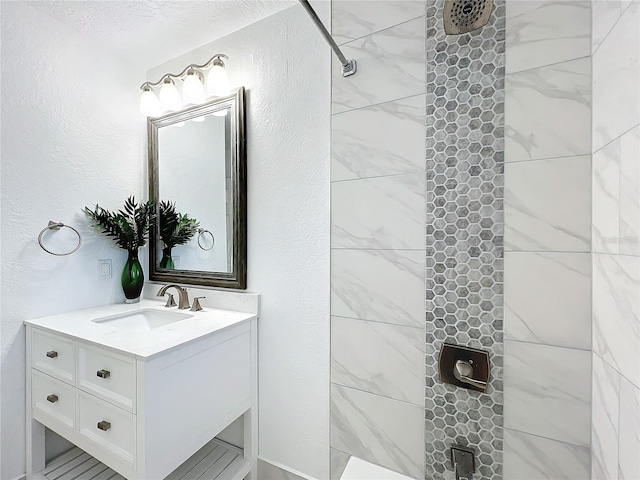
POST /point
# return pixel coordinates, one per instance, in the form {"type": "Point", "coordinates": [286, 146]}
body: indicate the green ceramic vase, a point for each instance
{"type": "Point", "coordinates": [132, 278]}
{"type": "Point", "coordinates": [167, 261]}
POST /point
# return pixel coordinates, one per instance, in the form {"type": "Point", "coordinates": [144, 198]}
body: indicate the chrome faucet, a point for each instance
{"type": "Point", "coordinates": [183, 296]}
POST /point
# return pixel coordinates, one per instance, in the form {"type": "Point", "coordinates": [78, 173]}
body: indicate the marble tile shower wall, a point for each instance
{"type": "Point", "coordinates": [547, 320]}
{"type": "Point", "coordinates": [465, 160]}
{"type": "Point", "coordinates": [377, 237]}
{"type": "Point", "coordinates": [616, 240]}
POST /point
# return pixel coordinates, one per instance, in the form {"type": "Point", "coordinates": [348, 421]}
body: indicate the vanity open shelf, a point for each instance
{"type": "Point", "coordinates": [146, 403]}
{"type": "Point", "coordinates": [217, 460]}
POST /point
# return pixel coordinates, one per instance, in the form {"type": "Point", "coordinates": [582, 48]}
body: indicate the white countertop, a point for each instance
{"type": "Point", "coordinates": [142, 344]}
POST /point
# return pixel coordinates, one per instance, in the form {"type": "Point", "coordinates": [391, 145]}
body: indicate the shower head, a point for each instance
{"type": "Point", "coordinates": [462, 16]}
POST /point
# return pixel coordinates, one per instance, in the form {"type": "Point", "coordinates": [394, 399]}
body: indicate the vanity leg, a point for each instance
{"type": "Point", "coordinates": [35, 430]}
{"type": "Point", "coordinates": [35, 447]}
{"type": "Point", "coordinates": [251, 415]}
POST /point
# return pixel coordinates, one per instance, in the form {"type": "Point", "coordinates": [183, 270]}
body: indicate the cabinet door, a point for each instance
{"type": "Point", "coordinates": [108, 375]}
{"type": "Point", "coordinates": [53, 354]}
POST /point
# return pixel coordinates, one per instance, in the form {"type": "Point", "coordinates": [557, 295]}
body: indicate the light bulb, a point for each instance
{"type": "Point", "coordinates": [179, 124]}
{"type": "Point", "coordinates": [218, 81]}
{"type": "Point", "coordinates": [220, 113]}
{"type": "Point", "coordinates": [169, 95]}
{"type": "Point", "coordinates": [193, 90]}
{"type": "Point", "coordinates": [198, 119]}
{"type": "Point", "coordinates": [149, 103]}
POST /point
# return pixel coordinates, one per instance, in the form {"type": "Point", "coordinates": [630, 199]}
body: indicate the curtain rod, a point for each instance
{"type": "Point", "coordinates": [349, 67]}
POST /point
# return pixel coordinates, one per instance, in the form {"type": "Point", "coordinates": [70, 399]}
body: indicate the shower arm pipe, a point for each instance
{"type": "Point", "coordinates": [349, 67]}
{"type": "Point", "coordinates": [184, 72]}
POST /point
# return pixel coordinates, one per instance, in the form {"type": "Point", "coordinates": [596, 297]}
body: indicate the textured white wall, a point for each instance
{"type": "Point", "coordinates": [71, 136]}
{"type": "Point", "coordinates": [285, 66]}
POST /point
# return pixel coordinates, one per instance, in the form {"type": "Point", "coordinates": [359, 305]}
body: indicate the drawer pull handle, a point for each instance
{"type": "Point", "coordinates": [52, 354]}
{"type": "Point", "coordinates": [52, 398]}
{"type": "Point", "coordinates": [104, 425]}
{"type": "Point", "coordinates": [103, 373]}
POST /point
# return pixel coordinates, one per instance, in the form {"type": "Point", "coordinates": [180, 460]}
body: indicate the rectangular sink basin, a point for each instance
{"type": "Point", "coordinates": [142, 320]}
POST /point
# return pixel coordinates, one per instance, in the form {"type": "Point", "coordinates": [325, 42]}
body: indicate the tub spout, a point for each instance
{"type": "Point", "coordinates": [463, 461]}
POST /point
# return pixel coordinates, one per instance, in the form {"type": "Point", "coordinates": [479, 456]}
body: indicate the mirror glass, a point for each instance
{"type": "Point", "coordinates": [196, 179]}
{"type": "Point", "coordinates": [197, 170]}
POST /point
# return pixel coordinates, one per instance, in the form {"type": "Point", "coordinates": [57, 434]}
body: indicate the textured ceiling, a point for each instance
{"type": "Point", "coordinates": [152, 32]}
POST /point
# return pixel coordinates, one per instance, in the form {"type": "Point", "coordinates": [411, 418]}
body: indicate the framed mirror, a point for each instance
{"type": "Point", "coordinates": [197, 179]}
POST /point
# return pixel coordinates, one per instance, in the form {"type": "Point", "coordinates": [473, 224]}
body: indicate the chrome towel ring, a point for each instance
{"type": "Point", "coordinates": [202, 231]}
{"type": "Point", "coordinates": [57, 226]}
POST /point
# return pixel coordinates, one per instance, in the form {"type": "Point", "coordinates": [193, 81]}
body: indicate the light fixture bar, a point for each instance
{"type": "Point", "coordinates": [184, 72]}
{"type": "Point", "coordinates": [349, 67]}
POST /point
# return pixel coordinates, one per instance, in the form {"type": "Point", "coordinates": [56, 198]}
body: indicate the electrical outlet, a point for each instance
{"type": "Point", "coordinates": [104, 269]}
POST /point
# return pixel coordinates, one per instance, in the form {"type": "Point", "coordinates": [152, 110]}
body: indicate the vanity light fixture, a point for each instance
{"type": "Point", "coordinates": [169, 96]}
{"type": "Point", "coordinates": [149, 103]}
{"type": "Point", "coordinates": [193, 89]}
{"type": "Point", "coordinates": [218, 81]}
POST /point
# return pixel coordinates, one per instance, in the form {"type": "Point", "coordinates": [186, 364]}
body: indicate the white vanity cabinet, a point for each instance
{"type": "Point", "coordinates": [142, 416]}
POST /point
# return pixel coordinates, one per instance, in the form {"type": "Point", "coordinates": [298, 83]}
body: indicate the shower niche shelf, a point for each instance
{"type": "Point", "coordinates": [217, 460]}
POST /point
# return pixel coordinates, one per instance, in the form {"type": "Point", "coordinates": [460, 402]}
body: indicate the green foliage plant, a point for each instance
{"type": "Point", "coordinates": [176, 228]}
{"type": "Point", "coordinates": [128, 227]}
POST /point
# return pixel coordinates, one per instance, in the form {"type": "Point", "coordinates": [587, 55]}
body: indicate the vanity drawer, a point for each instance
{"type": "Point", "coordinates": [53, 354]}
{"type": "Point", "coordinates": [106, 427]}
{"type": "Point", "coordinates": [53, 402]}
{"type": "Point", "coordinates": [108, 375]}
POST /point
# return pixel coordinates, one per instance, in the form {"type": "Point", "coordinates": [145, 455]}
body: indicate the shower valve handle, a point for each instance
{"type": "Point", "coordinates": [463, 371]}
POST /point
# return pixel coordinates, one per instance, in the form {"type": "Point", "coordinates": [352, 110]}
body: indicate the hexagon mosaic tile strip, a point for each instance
{"type": "Point", "coordinates": [465, 223]}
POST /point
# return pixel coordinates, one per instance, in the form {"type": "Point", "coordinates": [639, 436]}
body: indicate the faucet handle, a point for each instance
{"type": "Point", "coordinates": [170, 302]}
{"type": "Point", "coordinates": [464, 373]}
{"type": "Point", "coordinates": [196, 307]}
